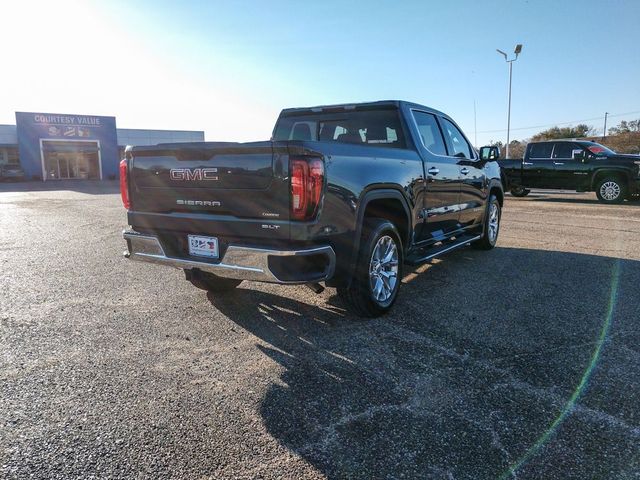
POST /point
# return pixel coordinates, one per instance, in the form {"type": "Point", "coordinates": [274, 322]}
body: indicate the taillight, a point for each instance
{"type": "Point", "coordinates": [307, 180]}
{"type": "Point", "coordinates": [124, 184]}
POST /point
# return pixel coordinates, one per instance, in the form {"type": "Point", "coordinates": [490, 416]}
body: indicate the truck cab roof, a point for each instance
{"type": "Point", "coordinates": [381, 104]}
{"type": "Point", "coordinates": [564, 140]}
{"type": "Point", "coordinates": [582, 141]}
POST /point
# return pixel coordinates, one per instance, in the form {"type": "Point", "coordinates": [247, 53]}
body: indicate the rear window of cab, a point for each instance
{"type": "Point", "coordinates": [381, 128]}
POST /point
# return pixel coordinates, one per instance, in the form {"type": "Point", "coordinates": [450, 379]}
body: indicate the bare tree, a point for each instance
{"type": "Point", "coordinates": [625, 127]}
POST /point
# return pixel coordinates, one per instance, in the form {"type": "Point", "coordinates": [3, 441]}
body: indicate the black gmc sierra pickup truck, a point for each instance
{"type": "Point", "coordinates": [342, 194]}
{"type": "Point", "coordinates": [574, 165]}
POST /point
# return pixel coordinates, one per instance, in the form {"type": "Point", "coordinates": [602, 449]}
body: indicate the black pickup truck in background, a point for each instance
{"type": "Point", "coordinates": [578, 165]}
{"type": "Point", "coordinates": [342, 194]}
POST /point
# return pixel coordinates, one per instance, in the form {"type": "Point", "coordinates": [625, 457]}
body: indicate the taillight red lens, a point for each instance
{"type": "Point", "coordinates": [307, 180]}
{"type": "Point", "coordinates": [124, 184]}
{"type": "Point", "coordinates": [299, 173]}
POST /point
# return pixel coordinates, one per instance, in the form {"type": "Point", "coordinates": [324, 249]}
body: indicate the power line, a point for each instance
{"type": "Point", "coordinates": [560, 123]}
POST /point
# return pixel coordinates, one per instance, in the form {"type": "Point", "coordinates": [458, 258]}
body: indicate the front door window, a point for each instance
{"type": "Point", "coordinates": [458, 146]}
{"type": "Point", "coordinates": [565, 150]}
{"type": "Point", "coordinates": [569, 172]}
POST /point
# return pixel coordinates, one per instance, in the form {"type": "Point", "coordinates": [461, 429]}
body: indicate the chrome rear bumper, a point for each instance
{"type": "Point", "coordinates": [239, 262]}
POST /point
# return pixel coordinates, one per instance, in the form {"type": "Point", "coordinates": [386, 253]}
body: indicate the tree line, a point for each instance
{"type": "Point", "coordinates": [622, 138]}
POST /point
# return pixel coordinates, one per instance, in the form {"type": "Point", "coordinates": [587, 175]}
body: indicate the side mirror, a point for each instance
{"type": "Point", "coordinates": [490, 153]}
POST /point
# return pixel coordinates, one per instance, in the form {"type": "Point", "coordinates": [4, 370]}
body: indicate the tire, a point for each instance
{"type": "Point", "coordinates": [491, 226]}
{"type": "Point", "coordinates": [611, 190]}
{"type": "Point", "coordinates": [210, 282]}
{"type": "Point", "coordinates": [376, 281]}
{"type": "Point", "coordinates": [520, 192]}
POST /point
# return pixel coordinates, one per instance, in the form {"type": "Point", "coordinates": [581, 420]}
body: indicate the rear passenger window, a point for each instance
{"type": "Point", "coordinates": [540, 150]}
{"type": "Point", "coordinates": [430, 133]}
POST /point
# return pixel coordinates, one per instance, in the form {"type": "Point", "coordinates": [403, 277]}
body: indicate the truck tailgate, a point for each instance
{"type": "Point", "coordinates": [244, 181]}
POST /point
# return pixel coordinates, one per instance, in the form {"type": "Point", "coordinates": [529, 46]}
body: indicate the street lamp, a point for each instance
{"type": "Point", "coordinates": [517, 51]}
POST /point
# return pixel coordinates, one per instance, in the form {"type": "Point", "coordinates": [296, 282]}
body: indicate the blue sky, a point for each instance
{"type": "Point", "coordinates": [229, 67]}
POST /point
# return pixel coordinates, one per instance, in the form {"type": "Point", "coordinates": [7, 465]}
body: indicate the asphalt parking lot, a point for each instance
{"type": "Point", "coordinates": [521, 362]}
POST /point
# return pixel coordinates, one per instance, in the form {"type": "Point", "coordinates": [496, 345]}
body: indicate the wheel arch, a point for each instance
{"type": "Point", "coordinates": [496, 186]}
{"type": "Point", "coordinates": [387, 203]}
{"type": "Point", "coordinates": [603, 173]}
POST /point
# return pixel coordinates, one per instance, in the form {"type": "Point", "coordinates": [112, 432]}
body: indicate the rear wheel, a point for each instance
{"type": "Point", "coordinates": [374, 287]}
{"type": "Point", "coordinates": [210, 282]}
{"type": "Point", "coordinates": [520, 191]}
{"type": "Point", "coordinates": [491, 226]}
{"type": "Point", "coordinates": [611, 190]}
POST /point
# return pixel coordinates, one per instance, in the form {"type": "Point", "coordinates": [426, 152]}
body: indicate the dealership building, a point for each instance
{"type": "Point", "coordinates": [51, 146]}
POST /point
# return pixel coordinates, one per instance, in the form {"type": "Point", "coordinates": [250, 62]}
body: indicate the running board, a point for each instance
{"type": "Point", "coordinates": [433, 252]}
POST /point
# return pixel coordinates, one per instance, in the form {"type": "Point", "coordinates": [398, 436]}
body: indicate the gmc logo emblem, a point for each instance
{"type": "Point", "coordinates": [193, 174]}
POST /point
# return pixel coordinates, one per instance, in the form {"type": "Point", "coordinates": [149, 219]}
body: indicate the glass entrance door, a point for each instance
{"type": "Point", "coordinates": [64, 160]}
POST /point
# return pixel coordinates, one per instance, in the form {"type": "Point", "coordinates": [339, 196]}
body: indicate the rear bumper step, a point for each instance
{"type": "Point", "coordinates": [241, 262]}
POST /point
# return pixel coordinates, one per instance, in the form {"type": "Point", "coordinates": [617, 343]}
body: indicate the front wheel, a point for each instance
{"type": "Point", "coordinates": [491, 226]}
{"type": "Point", "coordinates": [210, 282]}
{"type": "Point", "coordinates": [520, 191]}
{"type": "Point", "coordinates": [374, 287]}
{"type": "Point", "coordinates": [611, 190]}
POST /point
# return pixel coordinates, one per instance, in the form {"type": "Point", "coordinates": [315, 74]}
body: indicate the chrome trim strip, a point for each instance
{"type": "Point", "coordinates": [242, 263]}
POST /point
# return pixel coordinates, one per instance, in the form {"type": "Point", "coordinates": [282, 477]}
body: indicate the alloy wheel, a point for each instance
{"type": "Point", "coordinates": [383, 269]}
{"type": "Point", "coordinates": [494, 222]}
{"type": "Point", "coordinates": [610, 190]}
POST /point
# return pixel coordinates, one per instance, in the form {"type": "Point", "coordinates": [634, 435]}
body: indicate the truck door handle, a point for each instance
{"type": "Point", "coordinates": [433, 171]}
{"type": "Point", "coordinates": [464, 171]}
{"type": "Point", "coordinates": [527, 163]}
{"type": "Point", "coordinates": [558, 163]}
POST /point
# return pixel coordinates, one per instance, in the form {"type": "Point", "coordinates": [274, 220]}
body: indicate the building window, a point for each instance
{"type": "Point", "coordinates": [9, 155]}
{"type": "Point", "coordinates": [12, 156]}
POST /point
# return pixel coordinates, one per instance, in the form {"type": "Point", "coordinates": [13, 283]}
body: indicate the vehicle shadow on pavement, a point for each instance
{"type": "Point", "coordinates": [480, 356]}
{"type": "Point", "coordinates": [93, 187]}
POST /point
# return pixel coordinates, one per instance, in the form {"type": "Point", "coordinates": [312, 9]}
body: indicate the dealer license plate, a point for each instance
{"type": "Point", "coordinates": [203, 246]}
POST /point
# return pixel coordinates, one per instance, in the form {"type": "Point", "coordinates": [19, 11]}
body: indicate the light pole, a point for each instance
{"type": "Point", "coordinates": [517, 51]}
